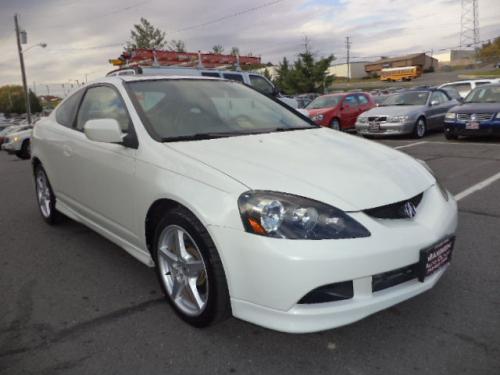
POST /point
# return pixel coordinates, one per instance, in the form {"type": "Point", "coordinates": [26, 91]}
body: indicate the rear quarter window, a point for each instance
{"type": "Point", "coordinates": [65, 113]}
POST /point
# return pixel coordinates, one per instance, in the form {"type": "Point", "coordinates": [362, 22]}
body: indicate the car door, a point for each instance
{"type": "Point", "coordinates": [349, 111]}
{"type": "Point", "coordinates": [439, 105]}
{"type": "Point", "coordinates": [53, 146]}
{"type": "Point", "coordinates": [104, 173]}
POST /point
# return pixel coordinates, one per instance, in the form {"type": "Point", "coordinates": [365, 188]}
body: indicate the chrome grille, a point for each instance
{"type": "Point", "coordinates": [478, 116]}
{"type": "Point", "coordinates": [377, 118]}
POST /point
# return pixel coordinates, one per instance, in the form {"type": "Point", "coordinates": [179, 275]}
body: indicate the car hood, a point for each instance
{"type": "Point", "coordinates": [476, 107]}
{"type": "Point", "coordinates": [393, 110]}
{"type": "Point", "coordinates": [348, 172]}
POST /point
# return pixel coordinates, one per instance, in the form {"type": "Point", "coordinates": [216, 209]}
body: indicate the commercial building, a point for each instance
{"type": "Point", "coordinates": [416, 59]}
{"type": "Point", "coordinates": [353, 70]}
{"type": "Point", "coordinates": [456, 57]}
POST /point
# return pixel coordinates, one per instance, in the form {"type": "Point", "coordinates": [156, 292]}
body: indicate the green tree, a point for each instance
{"type": "Point", "coordinates": [218, 49]}
{"type": "Point", "coordinates": [12, 100]}
{"type": "Point", "coordinates": [307, 74]}
{"type": "Point", "coordinates": [267, 74]}
{"type": "Point", "coordinates": [490, 52]}
{"type": "Point", "coordinates": [177, 45]}
{"type": "Point", "coordinates": [235, 51]}
{"type": "Point", "coordinates": [145, 35]}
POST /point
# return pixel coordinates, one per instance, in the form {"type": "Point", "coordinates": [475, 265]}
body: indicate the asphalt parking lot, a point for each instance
{"type": "Point", "coordinates": [72, 302]}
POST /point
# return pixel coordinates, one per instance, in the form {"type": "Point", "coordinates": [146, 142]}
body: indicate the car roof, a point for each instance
{"type": "Point", "coordinates": [493, 80]}
{"type": "Point", "coordinates": [134, 78]}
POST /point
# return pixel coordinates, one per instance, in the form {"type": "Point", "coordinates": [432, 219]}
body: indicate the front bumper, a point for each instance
{"type": "Point", "coordinates": [386, 128]}
{"type": "Point", "coordinates": [485, 128]}
{"type": "Point", "coordinates": [267, 277]}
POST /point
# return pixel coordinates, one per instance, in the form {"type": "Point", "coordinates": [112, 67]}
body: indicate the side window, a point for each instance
{"type": "Point", "coordinates": [351, 100]}
{"type": "Point", "coordinates": [482, 83]}
{"type": "Point", "coordinates": [261, 84]}
{"type": "Point", "coordinates": [65, 113]}
{"type": "Point", "coordinates": [462, 88]}
{"type": "Point", "coordinates": [102, 102]}
{"type": "Point", "coordinates": [362, 99]}
{"type": "Point", "coordinates": [210, 74]}
{"type": "Point", "coordinates": [233, 77]}
{"type": "Point", "coordinates": [439, 97]}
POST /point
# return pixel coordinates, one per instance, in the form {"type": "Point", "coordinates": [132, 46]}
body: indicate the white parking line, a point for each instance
{"type": "Point", "coordinates": [479, 186]}
{"type": "Point", "coordinates": [465, 143]}
{"type": "Point", "coordinates": [411, 145]}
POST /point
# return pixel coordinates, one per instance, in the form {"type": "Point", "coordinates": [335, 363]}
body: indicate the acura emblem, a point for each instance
{"type": "Point", "coordinates": [410, 210]}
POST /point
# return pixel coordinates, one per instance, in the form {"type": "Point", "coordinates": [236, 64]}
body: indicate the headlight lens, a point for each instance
{"type": "Point", "coordinates": [441, 188]}
{"type": "Point", "coordinates": [498, 115]}
{"type": "Point", "coordinates": [281, 215]}
{"type": "Point", "coordinates": [450, 116]}
{"type": "Point", "coordinates": [362, 120]}
{"type": "Point", "coordinates": [397, 118]}
{"type": "Point", "coordinates": [16, 139]}
{"type": "Point", "coordinates": [318, 117]}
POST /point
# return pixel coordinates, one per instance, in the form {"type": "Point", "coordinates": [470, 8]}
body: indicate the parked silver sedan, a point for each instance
{"type": "Point", "coordinates": [412, 112]}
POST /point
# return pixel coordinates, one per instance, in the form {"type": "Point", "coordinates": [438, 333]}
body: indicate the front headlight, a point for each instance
{"type": "Point", "coordinates": [318, 117]}
{"type": "Point", "coordinates": [397, 118]}
{"type": "Point", "coordinates": [441, 188]}
{"type": "Point", "coordinates": [362, 120]}
{"type": "Point", "coordinates": [498, 115]}
{"type": "Point", "coordinates": [450, 116]}
{"type": "Point", "coordinates": [281, 215]}
{"type": "Point", "coordinates": [16, 139]}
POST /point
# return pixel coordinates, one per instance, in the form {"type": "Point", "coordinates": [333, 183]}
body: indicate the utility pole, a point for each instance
{"type": "Point", "coordinates": [348, 47]}
{"type": "Point", "coordinates": [23, 71]}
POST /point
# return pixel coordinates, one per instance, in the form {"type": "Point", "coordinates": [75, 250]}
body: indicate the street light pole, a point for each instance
{"type": "Point", "coordinates": [23, 71]}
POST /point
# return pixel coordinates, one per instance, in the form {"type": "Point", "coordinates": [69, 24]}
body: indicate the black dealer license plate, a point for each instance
{"type": "Point", "coordinates": [435, 257]}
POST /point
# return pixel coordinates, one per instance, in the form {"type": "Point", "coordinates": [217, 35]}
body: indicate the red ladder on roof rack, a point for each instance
{"type": "Point", "coordinates": [154, 57]}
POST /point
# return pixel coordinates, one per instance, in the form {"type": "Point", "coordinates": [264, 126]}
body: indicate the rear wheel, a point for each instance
{"type": "Point", "coordinates": [25, 152]}
{"type": "Point", "coordinates": [420, 128]}
{"type": "Point", "coordinates": [335, 124]}
{"type": "Point", "coordinates": [190, 270]}
{"type": "Point", "coordinates": [45, 197]}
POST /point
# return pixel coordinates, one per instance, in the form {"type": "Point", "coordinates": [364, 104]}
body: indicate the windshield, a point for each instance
{"type": "Point", "coordinates": [324, 102]}
{"type": "Point", "coordinates": [191, 109]}
{"type": "Point", "coordinates": [484, 95]}
{"type": "Point", "coordinates": [407, 98]}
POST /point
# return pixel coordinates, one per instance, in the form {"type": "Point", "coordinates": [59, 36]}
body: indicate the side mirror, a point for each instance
{"type": "Point", "coordinates": [105, 130]}
{"type": "Point", "coordinates": [276, 91]}
{"type": "Point", "coordinates": [434, 102]}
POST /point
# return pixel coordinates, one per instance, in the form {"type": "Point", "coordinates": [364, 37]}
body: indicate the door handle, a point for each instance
{"type": "Point", "coordinates": [67, 151]}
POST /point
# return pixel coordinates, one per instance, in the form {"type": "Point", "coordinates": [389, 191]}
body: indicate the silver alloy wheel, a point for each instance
{"type": "Point", "coordinates": [182, 270]}
{"type": "Point", "coordinates": [420, 128]}
{"type": "Point", "coordinates": [43, 193]}
{"type": "Point", "coordinates": [336, 125]}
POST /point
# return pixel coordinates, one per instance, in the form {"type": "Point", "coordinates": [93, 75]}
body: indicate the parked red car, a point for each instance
{"type": "Point", "coordinates": [339, 111]}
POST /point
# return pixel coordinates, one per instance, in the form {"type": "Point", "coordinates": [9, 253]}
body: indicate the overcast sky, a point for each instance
{"type": "Point", "coordinates": [83, 34]}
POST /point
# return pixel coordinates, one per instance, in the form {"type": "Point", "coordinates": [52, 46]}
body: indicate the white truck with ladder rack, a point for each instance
{"type": "Point", "coordinates": [156, 62]}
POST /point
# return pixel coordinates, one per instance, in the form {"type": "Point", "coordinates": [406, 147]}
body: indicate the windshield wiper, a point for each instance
{"type": "Point", "coordinates": [201, 136]}
{"type": "Point", "coordinates": [283, 129]}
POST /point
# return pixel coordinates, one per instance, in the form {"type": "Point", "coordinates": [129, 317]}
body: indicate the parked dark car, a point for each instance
{"type": "Point", "coordinates": [479, 114]}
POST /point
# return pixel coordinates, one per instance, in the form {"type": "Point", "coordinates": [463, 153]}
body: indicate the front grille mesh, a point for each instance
{"type": "Point", "coordinates": [394, 210]}
{"type": "Point", "coordinates": [478, 116]}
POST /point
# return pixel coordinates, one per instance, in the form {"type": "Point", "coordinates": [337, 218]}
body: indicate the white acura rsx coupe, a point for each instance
{"type": "Point", "coordinates": [241, 205]}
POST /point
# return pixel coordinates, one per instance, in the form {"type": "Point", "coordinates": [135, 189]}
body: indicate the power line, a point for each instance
{"type": "Point", "coordinates": [228, 16]}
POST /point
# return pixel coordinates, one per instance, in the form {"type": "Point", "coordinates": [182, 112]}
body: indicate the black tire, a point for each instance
{"type": "Point", "coordinates": [450, 136]}
{"type": "Point", "coordinates": [218, 306]}
{"type": "Point", "coordinates": [335, 124]}
{"type": "Point", "coordinates": [25, 152]}
{"type": "Point", "coordinates": [418, 131]}
{"type": "Point", "coordinates": [52, 216]}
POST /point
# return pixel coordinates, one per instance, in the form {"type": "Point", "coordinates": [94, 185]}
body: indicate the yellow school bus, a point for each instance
{"type": "Point", "coordinates": [404, 73]}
